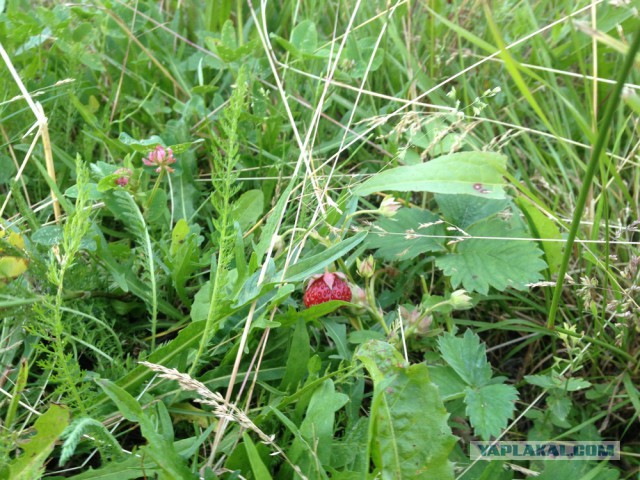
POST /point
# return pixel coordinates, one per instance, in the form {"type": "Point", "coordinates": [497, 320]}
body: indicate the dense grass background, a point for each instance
{"type": "Point", "coordinates": [277, 112]}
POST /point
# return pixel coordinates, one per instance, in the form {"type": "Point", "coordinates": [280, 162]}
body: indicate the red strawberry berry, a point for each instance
{"type": "Point", "coordinates": [325, 287]}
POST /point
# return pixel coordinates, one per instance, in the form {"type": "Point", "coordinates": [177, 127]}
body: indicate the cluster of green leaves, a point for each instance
{"type": "Point", "coordinates": [168, 267]}
{"type": "Point", "coordinates": [471, 198]}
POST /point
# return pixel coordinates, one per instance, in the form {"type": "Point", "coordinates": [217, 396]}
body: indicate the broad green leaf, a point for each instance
{"type": "Point", "coordinates": [312, 313]}
{"type": "Point", "coordinates": [157, 212]}
{"type": "Point", "coordinates": [337, 332]}
{"type": "Point", "coordinates": [317, 429]}
{"type": "Point", "coordinates": [178, 235]}
{"type": "Point", "coordinates": [572, 384]}
{"type": "Point", "coordinates": [360, 53]}
{"type": "Point", "coordinates": [467, 356]}
{"type": "Point", "coordinates": [299, 353]}
{"type": "Point", "coordinates": [465, 210]}
{"type": "Point", "coordinates": [248, 208]}
{"type": "Point", "coordinates": [448, 381]}
{"type": "Point", "coordinates": [228, 35]}
{"type": "Point", "coordinates": [108, 183]}
{"type": "Point", "coordinates": [437, 136]}
{"type": "Point", "coordinates": [559, 405]}
{"type": "Point", "coordinates": [489, 408]}
{"type": "Point", "coordinates": [179, 148]}
{"type": "Point", "coordinates": [399, 237]}
{"type": "Point", "coordinates": [258, 467]}
{"type": "Point", "coordinates": [273, 221]}
{"type": "Point", "coordinates": [350, 453]}
{"type": "Point", "coordinates": [183, 257]}
{"type": "Point", "coordinates": [543, 227]}
{"type": "Point", "coordinates": [201, 301]}
{"type": "Point", "coordinates": [409, 435]}
{"type": "Point", "coordinates": [577, 470]}
{"type": "Point", "coordinates": [316, 263]}
{"type": "Point", "coordinates": [359, 337]}
{"type": "Point", "coordinates": [632, 392]}
{"type": "Point", "coordinates": [48, 235]}
{"type": "Point", "coordinates": [11, 267]}
{"type": "Point", "coordinates": [142, 146]}
{"type": "Point", "coordinates": [481, 263]}
{"type": "Point", "coordinates": [472, 173]}
{"type": "Point", "coordinates": [158, 447]}
{"type": "Point", "coordinates": [305, 37]}
{"type": "Point", "coordinates": [48, 427]}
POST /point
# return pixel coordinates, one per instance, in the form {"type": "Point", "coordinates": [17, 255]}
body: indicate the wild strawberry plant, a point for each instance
{"type": "Point", "coordinates": [317, 241]}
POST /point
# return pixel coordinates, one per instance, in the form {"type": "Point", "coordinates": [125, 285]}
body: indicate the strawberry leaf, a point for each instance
{"type": "Point", "coordinates": [403, 236]}
{"type": "Point", "coordinates": [467, 356]}
{"type": "Point", "coordinates": [479, 263]}
{"type": "Point", "coordinates": [489, 408]}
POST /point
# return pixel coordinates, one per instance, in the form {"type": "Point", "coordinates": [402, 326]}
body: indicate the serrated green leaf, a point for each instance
{"type": "Point", "coordinates": [467, 356]}
{"type": "Point", "coordinates": [465, 210]}
{"type": "Point", "coordinates": [489, 408]}
{"type": "Point", "coordinates": [48, 428]}
{"type": "Point", "coordinates": [559, 382]}
{"type": "Point", "coordinates": [409, 435]}
{"type": "Point", "coordinates": [472, 173]}
{"type": "Point", "coordinates": [578, 470]}
{"type": "Point", "coordinates": [480, 263]}
{"type": "Point", "coordinates": [400, 237]}
{"type": "Point", "coordinates": [559, 405]}
{"type": "Point", "coordinates": [447, 380]}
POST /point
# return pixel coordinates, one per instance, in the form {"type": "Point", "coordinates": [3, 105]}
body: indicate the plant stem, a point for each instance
{"type": "Point", "coordinates": [373, 307]}
{"type": "Point", "coordinates": [605, 124]}
{"type": "Point", "coordinates": [155, 189]}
